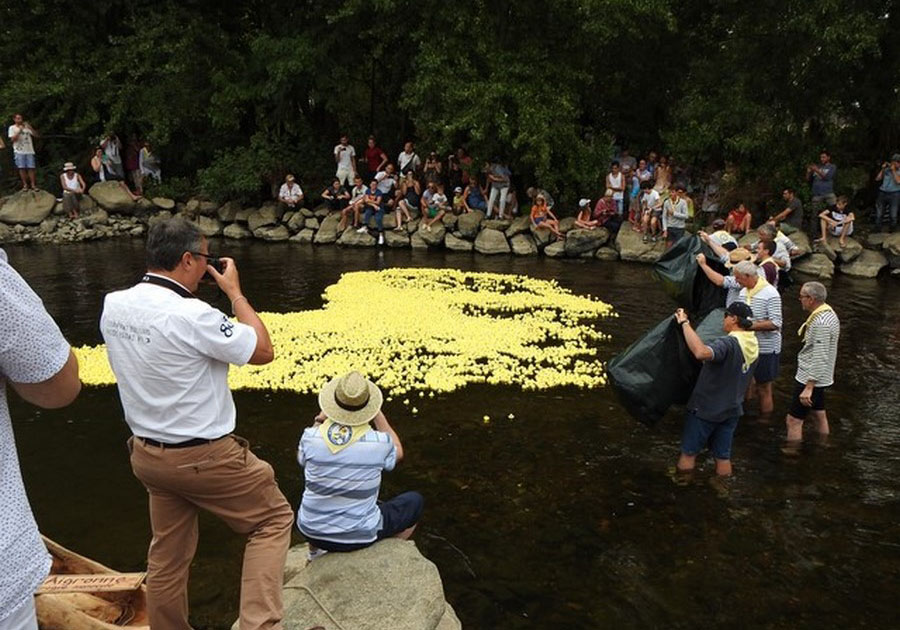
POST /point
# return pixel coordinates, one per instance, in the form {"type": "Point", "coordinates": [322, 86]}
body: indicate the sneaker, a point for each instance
{"type": "Point", "coordinates": [381, 239]}
{"type": "Point", "coordinates": [362, 229]}
{"type": "Point", "coordinates": [314, 553]}
{"type": "Point", "coordinates": [645, 239]}
{"type": "Point", "coordinates": [654, 238]}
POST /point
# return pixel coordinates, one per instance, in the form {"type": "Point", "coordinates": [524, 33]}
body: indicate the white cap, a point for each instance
{"type": "Point", "coordinates": [584, 202]}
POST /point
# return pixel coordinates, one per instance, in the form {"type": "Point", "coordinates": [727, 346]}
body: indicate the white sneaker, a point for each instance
{"type": "Point", "coordinates": [313, 553]}
{"type": "Point", "coordinates": [381, 239]}
{"type": "Point", "coordinates": [362, 229]}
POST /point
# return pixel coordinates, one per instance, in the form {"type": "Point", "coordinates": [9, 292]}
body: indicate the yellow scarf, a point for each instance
{"type": "Point", "coordinates": [339, 436]}
{"type": "Point", "coordinates": [749, 346]}
{"type": "Point", "coordinates": [761, 283]}
{"type": "Point", "coordinates": [819, 309]}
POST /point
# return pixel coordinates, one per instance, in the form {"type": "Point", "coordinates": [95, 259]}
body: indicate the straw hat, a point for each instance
{"type": "Point", "coordinates": [739, 255]}
{"type": "Point", "coordinates": [68, 166]}
{"type": "Point", "coordinates": [350, 399]}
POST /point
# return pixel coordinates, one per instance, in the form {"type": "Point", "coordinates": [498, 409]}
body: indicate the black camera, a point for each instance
{"type": "Point", "coordinates": [216, 263]}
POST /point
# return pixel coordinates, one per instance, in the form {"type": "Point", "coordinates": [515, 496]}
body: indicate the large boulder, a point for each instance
{"type": "Point", "coordinates": [95, 218]}
{"type": "Point", "coordinates": [6, 233]}
{"type": "Point", "coordinates": [227, 213]}
{"type": "Point", "coordinates": [236, 231]}
{"type": "Point", "coordinates": [468, 223]}
{"type": "Point", "coordinates": [27, 207]}
{"type": "Point", "coordinates": [801, 241]}
{"type": "Point", "coordinates": [866, 265]}
{"type": "Point", "coordinates": [891, 244]}
{"type": "Point", "coordinates": [163, 203]}
{"type": "Point", "coordinates": [417, 242]}
{"type": "Point", "coordinates": [541, 236]}
{"type": "Point", "coordinates": [580, 241]}
{"type": "Point", "coordinates": [457, 244]}
{"type": "Point", "coordinates": [243, 214]}
{"type": "Point", "coordinates": [208, 226]}
{"type": "Point", "coordinates": [496, 224]}
{"type": "Point", "coordinates": [263, 217]}
{"type": "Point", "coordinates": [566, 224]}
{"type": "Point", "coordinates": [207, 208]}
{"type": "Point", "coordinates": [832, 248]}
{"type": "Point", "coordinates": [389, 585]}
{"type": "Point", "coordinates": [449, 220]}
{"type": "Point", "coordinates": [272, 233]}
{"type": "Point", "coordinates": [555, 250]}
{"type": "Point", "coordinates": [519, 225]}
{"type": "Point", "coordinates": [393, 238]}
{"type": "Point", "coordinates": [490, 241]}
{"type": "Point", "coordinates": [312, 224]}
{"type": "Point", "coordinates": [523, 245]}
{"type": "Point", "coordinates": [631, 247]}
{"type": "Point", "coordinates": [87, 204]}
{"type": "Point", "coordinates": [433, 235]}
{"type": "Point", "coordinates": [112, 197]}
{"type": "Point", "coordinates": [297, 222]}
{"type": "Point", "coordinates": [817, 265]}
{"type": "Point", "coordinates": [607, 253]}
{"type": "Point", "coordinates": [303, 236]}
{"type": "Point", "coordinates": [353, 238]}
{"type": "Point", "coordinates": [328, 230]}
{"type": "Point", "coordinates": [748, 239]}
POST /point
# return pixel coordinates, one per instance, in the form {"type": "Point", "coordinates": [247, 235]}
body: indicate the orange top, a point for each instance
{"type": "Point", "coordinates": [538, 211]}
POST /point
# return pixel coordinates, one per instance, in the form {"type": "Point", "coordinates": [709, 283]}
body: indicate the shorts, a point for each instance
{"type": "Point", "coordinates": [837, 229]}
{"type": "Point", "coordinates": [24, 160]}
{"type": "Point", "coordinates": [674, 233]}
{"type": "Point", "coordinates": [433, 211]}
{"type": "Point", "coordinates": [539, 220]}
{"type": "Point", "coordinates": [699, 433]}
{"type": "Point", "coordinates": [798, 409]}
{"type": "Point", "coordinates": [397, 514]}
{"type": "Point", "coordinates": [766, 369]}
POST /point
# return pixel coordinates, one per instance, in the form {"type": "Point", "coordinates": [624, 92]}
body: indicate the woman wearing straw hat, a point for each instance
{"type": "Point", "coordinates": [342, 456]}
{"type": "Point", "coordinates": [72, 187]}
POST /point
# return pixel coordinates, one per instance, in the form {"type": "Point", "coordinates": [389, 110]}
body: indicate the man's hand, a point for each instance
{"type": "Point", "coordinates": [701, 259]}
{"type": "Point", "coordinates": [806, 396]}
{"type": "Point", "coordinates": [228, 280]}
{"type": "Point", "coordinates": [681, 316]}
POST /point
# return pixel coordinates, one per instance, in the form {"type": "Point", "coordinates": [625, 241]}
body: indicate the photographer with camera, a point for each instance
{"type": "Point", "coordinates": [888, 193]}
{"type": "Point", "coordinates": [170, 353]}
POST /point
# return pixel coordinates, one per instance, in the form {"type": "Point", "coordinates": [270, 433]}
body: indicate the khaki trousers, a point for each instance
{"type": "Point", "coordinates": [228, 480]}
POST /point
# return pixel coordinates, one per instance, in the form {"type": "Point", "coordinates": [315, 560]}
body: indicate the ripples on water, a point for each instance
{"type": "Point", "coordinates": [566, 515]}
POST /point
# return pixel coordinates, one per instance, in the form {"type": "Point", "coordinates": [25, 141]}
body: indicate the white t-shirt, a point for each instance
{"type": "Point", "coordinates": [170, 355]}
{"type": "Point", "coordinates": [32, 349]}
{"type": "Point", "coordinates": [345, 161]}
{"type": "Point", "coordinates": [438, 199]}
{"type": "Point", "coordinates": [405, 158]}
{"type": "Point", "coordinates": [358, 193]}
{"type": "Point", "coordinates": [292, 192]}
{"type": "Point", "coordinates": [652, 200]}
{"type": "Point", "coordinates": [24, 145]}
{"type": "Point", "coordinates": [615, 181]}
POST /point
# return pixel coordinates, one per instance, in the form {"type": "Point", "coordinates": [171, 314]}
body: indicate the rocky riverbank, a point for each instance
{"type": "Point", "coordinates": [108, 211]}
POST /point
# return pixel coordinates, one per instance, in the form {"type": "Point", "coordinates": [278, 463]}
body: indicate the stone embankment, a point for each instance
{"type": "Point", "coordinates": [107, 210]}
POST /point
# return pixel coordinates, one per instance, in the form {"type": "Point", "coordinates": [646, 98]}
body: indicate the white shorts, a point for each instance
{"type": "Point", "coordinates": [23, 617]}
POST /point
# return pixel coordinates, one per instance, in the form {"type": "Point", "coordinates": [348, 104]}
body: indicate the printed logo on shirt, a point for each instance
{"type": "Point", "coordinates": [339, 434]}
{"type": "Point", "coordinates": [227, 328]}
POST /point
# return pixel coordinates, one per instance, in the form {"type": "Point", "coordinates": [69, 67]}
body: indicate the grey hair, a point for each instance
{"type": "Point", "coordinates": [745, 268]}
{"type": "Point", "coordinates": [767, 229]}
{"type": "Point", "coordinates": [168, 241]}
{"type": "Point", "coordinates": [815, 290]}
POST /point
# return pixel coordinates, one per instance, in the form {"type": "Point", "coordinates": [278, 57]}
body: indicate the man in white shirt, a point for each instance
{"type": "Point", "coordinates": [345, 156]}
{"type": "Point", "coordinates": [36, 361]}
{"type": "Point", "coordinates": [21, 134]}
{"type": "Point", "coordinates": [290, 194]}
{"type": "Point", "coordinates": [170, 353]}
{"type": "Point", "coordinates": [408, 160]}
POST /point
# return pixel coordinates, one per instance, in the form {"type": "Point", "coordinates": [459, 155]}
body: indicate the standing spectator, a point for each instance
{"type": "Point", "coordinates": [22, 135]}
{"type": "Point", "coordinates": [459, 167]}
{"type": "Point", "coordinates": [376, 158]}
{"type": "Point", "coordinates": [336, 195]}
{"type": "Point", "coordinates": [498, 177]}
{"type": "Point", "coordinates": [542, 218]}
{"type": "Point", "coordinates": [615, 181]}
{"type": "Point", "coordinates": [73, 187]}
{"type": "Point", "coordinates": [149, 163]}
{"type": "Point", "coordinates": [345, 157]}
{"type": "Point", "coordinates": [133, 164]}
{"type": "Point", "coordinates": [662, 175]}
{"type": "Point", "coordinates": [644, 172]}
{"type": "Point", "coordinates": [290, 194]}
{"type": "Point", "coordinates": [715, 405]}
{"type": "Point", "coordinates": [765, 302]}
{"type": "Point", "coordinates": [38, 364]}
{"type": "Point", "coordinates": [172, 373]}
{"type": "Point", "coordinates": [432, 172]}
{"type": "Point", "coordinates": [634, 201]}
{"type": "Point", "coordinates": [627, 161]}
{"type": "Point", "coordinates": [675, 215]}
{"type": "Point", "coordinates": [888, 200]}
{"type": "Point", "coordinates": [112, 149]}
{"type": "Point", "coordinates": [738, 220]}
{"type": "Point", "coordinates": [821, 177]}
{"type": "Point", "coordinates": [791, 217]}
{"type": "Point", "coordinates": [408, 160]}
{"type": "Point", "coordinates": [836, 221]}
{"type": "Point", "coordinates": [651, 212]}
{"type": "Point", "coordinates": [815, 361]}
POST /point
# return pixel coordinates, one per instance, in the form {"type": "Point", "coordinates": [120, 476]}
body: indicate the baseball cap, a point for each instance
{"type": "Point", "coordinates": [584, 202]}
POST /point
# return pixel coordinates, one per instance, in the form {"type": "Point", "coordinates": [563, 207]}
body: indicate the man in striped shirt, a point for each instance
{"type": "Point", "coordinates": [815, 362]}
{"type": "Point", "coordinates": [765, 302]}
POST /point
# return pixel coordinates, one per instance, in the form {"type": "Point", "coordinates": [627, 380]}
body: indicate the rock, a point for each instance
{"type": "Point", "coordinates": [393, 238]}
{"type": "Point", "coordinates": [541, 237]}
{"type": "Point", "coordinates": [412, 226]}
{"type": "Point", "coordinates": [243, 214]}
{"type": "Point", "coordinates": [566, 224]}
{"type": "Point", "coordinates": [303, 236]}
{"type": "Point", "coordinates": [457, 244]}
{"type": "Point", "coordinates": [143, 207]}
{"type": "Point", "coordinates": [263, 217]}
{"type": "Point", "coordinates": [163, 203]}
{"type": "Point", "coordinates": [832, 248]}
{"type": "Point", "coordinates": [417, 242]}
{"type": "Point", "coordinates": [891, 244]}
{"type": "Point", "coordinates": [579, 241]}
{"type": "Point", "coordinates": [433, 236]}
{"type": "Point", "coordinates": [237, 231]}
{"type": "Point", "coordinates": [100, 217]}
{"type": "Point", "coordinates": [192, 206]}
{"type": "Point", "coordinates": [801, 240]}
{"type": "Point", "coordinates": [306, 212]}
{"type": "Point", "coordinates": [328, 230]}
{"type": "Point", "coordinates": [490, 241]}
{"type": "Point", "coordinates": [352, 238]}
{"type": "Point", "coordinates": [135, 231]}
{"type": "Point", "coordinates": [468, 223]}
{"type": "Point", "coordinates": [818, 265]}
{"type": "Point", "coordinates": [274, 207]}
{"type": "Point", "coordinates": [48, 225]}
{"type": "Point", "coordinates": [27, 207]}
{"type": "Point", "coordinates": [631, 247]}
{"type": "Point", "coordinates": [60, 210]}
{"type": "Point", "coordinates": [496, 224]}
{"type": "Point", "coordinates": [287, 216]}
{"type": "Point", "coordinates": [208, 208]}
{"type": "Point", "coordinates": [866, 265]}
{"type": "Point", "coordinates": [518, 226]}
{"type": "Point", "coordinates": [295, 222]}
{"type": "Point", "coordinates": [228, 211]}
{"type": "Point", "coordinates": [87, 204]}
{"type": "Point", "coordinates": [388, 222]}
{"type": "Point", "coordinates": [165, 215]}
{"type": "Point", "coordinates": [312, 224]}
{"type": "Point", "coordinates": [875, 240]}
{"type": "Point", "coordinates": [112, 197]}
{"type": "Point", "coordinates": [321, 211]}
{"type": "Point", "coordinates": [523, 245]}
{"type": "Point", "coordinates": [272, 233]}
{"type": "Point", "coordinates": [208, 226]}
{"type": "Point", "coordinates": [555, 250]}
{"type": "Point", "coordinates": [449, 220]}
{"type": "Point", "coordinates": [748, 239]}
{"type": "Point", "coordinates": [6, 233]}
{"type": "Point", "coordinates": [606, 253]}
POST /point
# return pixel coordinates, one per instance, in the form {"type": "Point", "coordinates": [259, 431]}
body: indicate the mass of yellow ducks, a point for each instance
{"type": "Point", "coordinates": [425, 330]}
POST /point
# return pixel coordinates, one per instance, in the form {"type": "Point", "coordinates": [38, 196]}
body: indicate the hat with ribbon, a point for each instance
{"type": "Point", "coordinates": [738, 255]}
{"type": "Point", "coordinates": [68, 166]}
{"type": "Point", "coordinates": [349, 401]}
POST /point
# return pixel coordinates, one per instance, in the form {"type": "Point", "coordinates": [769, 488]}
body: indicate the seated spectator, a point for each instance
{"type": "Point", "coordinates": [375, 205]}
{"type": "Point", "coordinates": [72, 187]}
{"type": "Point", "coordinates": [459, 202]}
{"type": "Point", "coordinates": [149, 164]}
{"type": "Point", "coordinates": [290, 194]}
{"type": "Point", "coordinates": [606, 213]}
{"type": "Point", "coordinates": [474, 196]}
{"type": "Point", "coordinates": [675, 214]}
{"type": "Point", "coordinates": [411, 195]}
{"type": "Point", "coordinates": [765, 261]}
{"type": "Point", "coordinates": [738, 220]}
{"type": "Point", "coordinates": [542, 218]}
{"type": "Point", "coordinates": [335, 195]}
{"type": "Point", "coordinates": [651, 212]}
{"type": "Point", "coordinates": [584, 220]}
{"type": "Point", "coordinates": [791, 217]}
{"type": "Point", "coordinates": [103, 172]}
{"type": "Point", "coordinates": [722, 236]}
{"type": "Point", "coordinates": [342, 456]}
{"type": "Point", "coordinates": [387, 185]}
{"type": "Point", "coordinates": [354, 204]}
{"type": "Point", "coordinates": [435, 203]}
{"type": "Point", "coordinates": [784, 248]}
{"type": "Point", "coordinates": [836, 221]}
{"type": "Point", "coordinates": [533, 192]}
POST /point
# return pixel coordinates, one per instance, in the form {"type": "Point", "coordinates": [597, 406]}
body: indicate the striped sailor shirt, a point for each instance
{"type": "Point", "coordinates": [766, 305]}
{"type": "Point", "coordinates": [340, 495]}
{"type": "Point", "coordinates": [815, 361]}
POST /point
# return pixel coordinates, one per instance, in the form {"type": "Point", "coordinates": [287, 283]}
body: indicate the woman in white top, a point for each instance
{"type": "Point", "coordinates": [73, 187]}
{"type": "Point", "coordinates": [615, 181]}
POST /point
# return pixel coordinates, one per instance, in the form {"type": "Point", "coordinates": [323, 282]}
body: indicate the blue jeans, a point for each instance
{"type": "Point", "coordinates": [887, 201]}
{"type": "Point", "coordinates": [379, 217]}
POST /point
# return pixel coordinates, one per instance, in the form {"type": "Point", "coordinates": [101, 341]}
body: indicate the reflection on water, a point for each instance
{"type": "Point", "coordinates": [565, 515]}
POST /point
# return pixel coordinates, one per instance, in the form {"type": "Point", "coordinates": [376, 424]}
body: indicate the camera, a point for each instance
{"type": "Point", "coordinates": [216, 263]}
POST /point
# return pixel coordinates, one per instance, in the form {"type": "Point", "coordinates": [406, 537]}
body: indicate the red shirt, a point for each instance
{"type": "Point", "coordinates": [605, 209]}
{"type": "Point", "coordinates": [737, 216]}
{"type": "Point", "coordinates": [373, 157]}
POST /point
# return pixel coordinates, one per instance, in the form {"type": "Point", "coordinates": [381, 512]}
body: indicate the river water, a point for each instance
{"type": "Point", "coordinates": [564, 517]}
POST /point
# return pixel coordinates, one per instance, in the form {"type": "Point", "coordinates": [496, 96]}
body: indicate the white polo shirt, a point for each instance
{"type": "Point", "coordinates": [170, 355]}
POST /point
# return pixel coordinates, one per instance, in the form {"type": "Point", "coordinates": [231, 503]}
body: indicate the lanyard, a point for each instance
{"type": "Point", "coordinates": [169, 284]}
